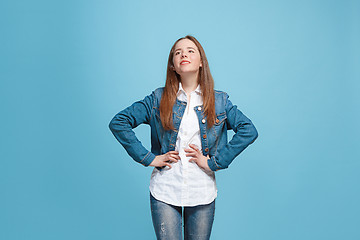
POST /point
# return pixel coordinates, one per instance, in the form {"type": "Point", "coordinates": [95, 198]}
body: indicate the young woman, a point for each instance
{"type": "Point", "coordinates": [189, 122]}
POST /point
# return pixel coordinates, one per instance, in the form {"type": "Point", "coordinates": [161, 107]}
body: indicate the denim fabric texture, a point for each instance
{"type": "Point", "coordinates": [213, 140]}
{"type": "Point", "coordinates": [168, 220]}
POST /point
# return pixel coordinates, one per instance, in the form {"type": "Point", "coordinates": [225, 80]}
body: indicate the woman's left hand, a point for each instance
{"type": "Point", "coordinates": [197, 157]}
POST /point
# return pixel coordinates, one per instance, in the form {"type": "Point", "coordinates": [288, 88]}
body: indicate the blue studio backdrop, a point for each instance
{"type": "Point", "coordinates": [67, 67]}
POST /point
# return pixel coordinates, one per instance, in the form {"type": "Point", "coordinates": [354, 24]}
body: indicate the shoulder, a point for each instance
{"type": "Point", "coordinates": [220, 95]}
{"type": "Point", "coordinates": [156, 96]}
{"type": "Point", "coordinates": [158, 92]}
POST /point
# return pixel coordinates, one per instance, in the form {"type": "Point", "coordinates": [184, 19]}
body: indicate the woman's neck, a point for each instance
{"type": "Point", "coordinates": [189, 82]}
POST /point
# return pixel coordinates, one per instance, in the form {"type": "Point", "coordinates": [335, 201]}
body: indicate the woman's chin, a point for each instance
{"type": "Point", "coordinates": [188, 72]}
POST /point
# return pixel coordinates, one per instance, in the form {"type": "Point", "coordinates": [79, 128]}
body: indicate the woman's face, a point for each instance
{"type": "Point", "coordinates": [186, 57]}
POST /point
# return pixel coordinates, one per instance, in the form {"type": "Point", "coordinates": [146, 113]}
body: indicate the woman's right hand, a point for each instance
{"type": "Point", "coordinates": [165, 159]}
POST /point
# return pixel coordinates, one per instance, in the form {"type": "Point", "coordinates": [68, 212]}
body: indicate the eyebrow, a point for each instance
{"type": "Point", "coordinates": [187, 48]}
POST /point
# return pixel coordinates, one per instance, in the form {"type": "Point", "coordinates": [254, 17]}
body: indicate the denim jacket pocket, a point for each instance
{"type": "Point", "coordinates": [220, 118]}
{"type": "Point", "coordinates": [219, 124]}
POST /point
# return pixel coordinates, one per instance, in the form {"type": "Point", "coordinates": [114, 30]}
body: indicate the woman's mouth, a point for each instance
{"type": "Point", "coordinates": [184, 62]}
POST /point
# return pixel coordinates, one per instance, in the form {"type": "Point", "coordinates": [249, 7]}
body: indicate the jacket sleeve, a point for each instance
{"type": "Point", "coordinates": [245, 134]}
{"type": "Point", "coordinates": [123, 122]}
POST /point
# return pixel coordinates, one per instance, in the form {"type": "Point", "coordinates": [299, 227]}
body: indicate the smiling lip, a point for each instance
{"type": "Point", "coordinates": [184, 62]}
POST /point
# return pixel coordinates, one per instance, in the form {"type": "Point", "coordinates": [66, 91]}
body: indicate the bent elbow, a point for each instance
{"type": "Point", "coordinates": [115, 123]}
{"type": "Point", "coordinates": [111, 125]}
{"type": "Point", "coordinates": [253, 134]}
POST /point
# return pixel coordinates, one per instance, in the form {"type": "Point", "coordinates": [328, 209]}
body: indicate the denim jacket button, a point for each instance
{"type": "Point", "coordinates": [199, 108]}
{"type": "Point", "coordinates": [217, 120]}
{"type": "Point", "coordinates": [203, 121]}
{"type": "Point", "coordinates": [206, 149]}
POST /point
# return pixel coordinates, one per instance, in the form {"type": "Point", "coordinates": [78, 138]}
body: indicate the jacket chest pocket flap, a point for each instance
{"type": "Point", "coordinates": [220, 118]}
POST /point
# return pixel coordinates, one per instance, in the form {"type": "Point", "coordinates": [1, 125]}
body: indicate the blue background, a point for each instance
{"type": "Point", "coordinates": [67, 67]}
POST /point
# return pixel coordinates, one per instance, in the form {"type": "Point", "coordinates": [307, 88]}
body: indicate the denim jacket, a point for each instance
{"type": "Point", "coordinates": [213, 140]}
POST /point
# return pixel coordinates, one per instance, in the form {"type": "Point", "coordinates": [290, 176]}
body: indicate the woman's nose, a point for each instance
{"type": "Point", "coordinates": [183, 55]}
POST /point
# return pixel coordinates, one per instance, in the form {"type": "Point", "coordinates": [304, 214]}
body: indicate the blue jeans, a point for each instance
{"type": "Point", "coordinates": [167, 220]}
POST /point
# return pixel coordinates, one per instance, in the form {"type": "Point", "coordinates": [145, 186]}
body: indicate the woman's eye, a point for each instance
{"type": "Point", "coordinates": [177, 53]}
{"type": "Point", "coordinates": [191, 51]}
